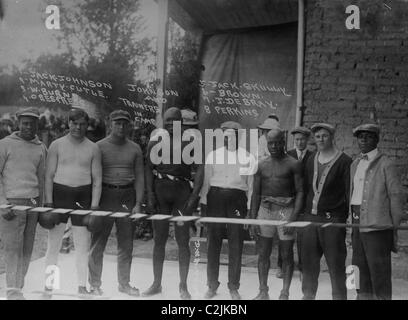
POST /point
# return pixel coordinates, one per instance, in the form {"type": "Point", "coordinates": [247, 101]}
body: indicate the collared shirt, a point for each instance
{"type": "Point", "coordinates": [300, 154]}
{"type": "Point", "coordinates": [359, 177]}
{"type": "Point", "coordinates": [263, 151]}
{"type": "Point", "coordinates": [224, 169]}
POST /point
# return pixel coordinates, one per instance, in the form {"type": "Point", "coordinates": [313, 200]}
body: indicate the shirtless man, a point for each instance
{"type": "Point", "coordinates": [277, 195]}
{"type": "Point", "coordinates": [73, 180]}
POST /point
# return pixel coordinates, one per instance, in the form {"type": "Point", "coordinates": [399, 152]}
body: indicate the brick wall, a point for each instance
{"type": "Point", "coordinates": [356, 76]}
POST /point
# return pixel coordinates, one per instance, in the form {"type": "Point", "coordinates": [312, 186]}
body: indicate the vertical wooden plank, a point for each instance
{"type": "Point", "coordinates": [162, 46]}
{"type": "Point", "coordinates": [300, 62]}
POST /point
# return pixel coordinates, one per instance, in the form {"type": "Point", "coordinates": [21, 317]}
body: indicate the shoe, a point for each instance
{"type": "Point", "coordinates": [184, 294]}
{"type": "Point", "coordinates": [96, 291]}
{"type": "Point", "coordinates": [154, 289]}
{"type": "Point", "coordinates": [129, 290]}
{"type": "Point", "coordinates": [235, 295]}
{"type": "Point", "coordinates": [210, 294]}
{"type": "Point", "coordinates": [279, 273]}
{"type": "Point", "coordinates": [83, 291]}
{"type": "Point", "coordinates": [15, 295]}
{"type": "Point", "coordinates": [284, 296]}
{"type": "Point", "coordinates": [262, 295]}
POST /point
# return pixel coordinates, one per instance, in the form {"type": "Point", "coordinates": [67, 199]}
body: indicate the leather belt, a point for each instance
{"type": "Point", "coordinates": [160, 175]}
{"type": "Point", "coordinates": [113, 186]}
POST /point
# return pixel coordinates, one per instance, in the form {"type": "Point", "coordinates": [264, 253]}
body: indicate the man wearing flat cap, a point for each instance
{"type": "Point", "coordinates": [327, 184]}
{"type": "Point", "coordinates": [226, 192]}
{"type": "Point", "coordinates": [300, 152]}
{"type": "Point", "coordinates": [122, 191]}
{"type": "Point", "coordinates": [301, 136]}
{"type": "Point", "coordinates": [22, 165]}
{"type": "Point", "coordinates": [376, 199]}
{"type": "Point", "coordinates": [171, 190]}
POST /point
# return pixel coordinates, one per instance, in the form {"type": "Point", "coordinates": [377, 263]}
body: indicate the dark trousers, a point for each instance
{"type": "Point", "coordinates": [225, 203]}
{"type": "Point", "coordinates": [330, 242]}
{"type": "Point", "coordinates": [172, 197]}
{"type": "Point", "coordinates": [113, 200]}
{"type": "Point", "coordinates": [68, 198]}
{"type": "Point", "coordinates": [372, 256]}
{"type": "Point", "coordinates": [18, 237]}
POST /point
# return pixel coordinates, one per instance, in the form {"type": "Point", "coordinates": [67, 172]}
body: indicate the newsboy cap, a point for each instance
{"type": "Point", "coordinates": [321, 125]}
{"type": "Point", "coordinates": [231, 125]}
{"type": "Point", "coordinates": [302, 130]}
{"type": "Point", "coordinates": [367, 127]}
{"type": "Point", "coordinates": [29, 112]}
{"type": "Point", "coordinates": [119, 115]}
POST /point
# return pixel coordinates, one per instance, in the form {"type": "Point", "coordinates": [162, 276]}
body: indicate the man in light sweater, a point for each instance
{"type": "Point", "coordinates": [22, 165]}
{"type": "Point", "coordinates": [73, 180]}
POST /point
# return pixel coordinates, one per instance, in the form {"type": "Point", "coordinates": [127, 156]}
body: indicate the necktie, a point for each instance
{"type": "Point", "coordinates": [364, 157]}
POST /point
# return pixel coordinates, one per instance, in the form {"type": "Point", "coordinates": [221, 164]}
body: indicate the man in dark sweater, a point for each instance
{"type": "Point", "coordinates": [170, 191]}
{"type": "Point", "coordinates": [301, 136]}
{"type": "Point", "coordinates": [327, 183]}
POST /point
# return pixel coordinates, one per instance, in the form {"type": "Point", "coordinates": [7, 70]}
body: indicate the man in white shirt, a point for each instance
{"type": "Point", "coordinates": [272, 122]}
{"type": "Point", "coordinates": [226, 192]}
{"type": "Point", "coordinates": [376, 200]}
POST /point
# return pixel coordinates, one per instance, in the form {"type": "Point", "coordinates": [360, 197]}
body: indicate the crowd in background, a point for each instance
{"type": "Point", "coordinates": [52, 127]}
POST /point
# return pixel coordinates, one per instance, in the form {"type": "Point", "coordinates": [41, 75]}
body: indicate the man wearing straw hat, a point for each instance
{"type": "Point", "coordinates": [227, 191]}
{"type": "Point", "coordinates": [270, 123]}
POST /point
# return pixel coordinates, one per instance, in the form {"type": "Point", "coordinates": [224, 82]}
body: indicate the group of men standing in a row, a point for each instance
{"type": "Point", "coordinates": [324, 187]}
{"type": "Point", "coordinates": [74, 173]}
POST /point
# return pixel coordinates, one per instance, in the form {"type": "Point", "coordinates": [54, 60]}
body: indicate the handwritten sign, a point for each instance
{"type": "Point", "coordinates": [249, 75]}
{"type": "Point", "coordinates": [247, 99]}
{"type": "Point", "coordinates": [145, 112]}
{"type": "Point", "coordinates": [46, 87]}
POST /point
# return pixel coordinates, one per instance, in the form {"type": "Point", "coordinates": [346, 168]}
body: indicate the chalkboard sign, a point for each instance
{"type": "Point", "coordinates": [247, 75]}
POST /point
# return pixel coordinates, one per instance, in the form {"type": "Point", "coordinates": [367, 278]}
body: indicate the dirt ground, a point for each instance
{"type": "Point", "coordinates": [144, 249]}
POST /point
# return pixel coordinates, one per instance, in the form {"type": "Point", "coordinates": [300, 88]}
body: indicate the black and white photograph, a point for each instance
{"type": "Point", "coordinates": [221, 151]}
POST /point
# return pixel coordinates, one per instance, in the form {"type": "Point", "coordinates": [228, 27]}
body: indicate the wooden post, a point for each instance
{"type": "Point", "coordinates": [162, 45]}
{"type": "Point", "coordinates": [300, 62]}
